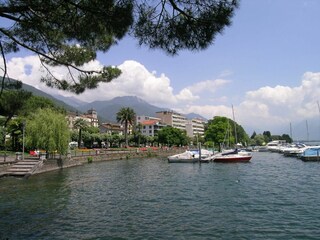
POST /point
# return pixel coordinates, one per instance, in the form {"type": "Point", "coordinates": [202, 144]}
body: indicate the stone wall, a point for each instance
{"type": "Point", "coordinates": [56, 164]}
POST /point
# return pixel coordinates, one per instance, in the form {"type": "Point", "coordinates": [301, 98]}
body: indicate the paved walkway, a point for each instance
{"type": "Point", "coordinates": [7, 159]}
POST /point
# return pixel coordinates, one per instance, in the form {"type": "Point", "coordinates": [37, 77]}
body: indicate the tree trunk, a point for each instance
{"type": "Point", "coordinates": [126, 133]}
{"type": "Point", "coordinates": [79, 140]}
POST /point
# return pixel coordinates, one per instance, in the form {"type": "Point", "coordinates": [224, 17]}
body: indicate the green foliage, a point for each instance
{"type": "Point", "coordinates": [221, 130]}
{"type": "Point", "coordinates": [180, 25]}
{"type": "Point", "coordinates": [12, 102]}
{"type": "Point", "coordinates": [172, 137]}
{"type": "Point", "coordinates": [262, 139]}
{"type": "Point", "coordinates": [90, 159]}
{"type": "Point", "coordinates": [287, 138]}
{"type": "Point", "coordinates": [253, 135]}
{"type": "Point", "coordinates": [92, 129]}
{"type": "Point", "coordinates": [217, 130]}
{"type": "Point", "coordinates": [267, 136]}
{"type": "Point", "coordinates": [47, 130]}
{"type": "Point", "coordinates": [81, 125]}
{"type": "Point", "coordinates": [70, 33]}
{"type": "Point", "coordinates": [258, 140]}
{"type": "Point", "coordinates": [35, 102]}
{"type": "Point", "coordinates": [281, 137]}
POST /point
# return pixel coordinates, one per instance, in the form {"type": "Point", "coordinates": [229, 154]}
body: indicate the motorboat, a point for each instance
{"type": "Point", "coordinates": [233, 156]}
{"type": "Point", "coordinates": [311, 154]}
{"type": "Point", "coordinates": [276, 145]}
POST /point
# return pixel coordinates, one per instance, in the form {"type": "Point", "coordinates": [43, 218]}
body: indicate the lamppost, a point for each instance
{"type": "Point", "coordinates": [23, 133]}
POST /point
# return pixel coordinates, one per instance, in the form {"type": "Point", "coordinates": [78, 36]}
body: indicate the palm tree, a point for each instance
{"type": "Point", "coordinates": [126, 116]}
{"type": "Point", "coordinates": [80, 124]}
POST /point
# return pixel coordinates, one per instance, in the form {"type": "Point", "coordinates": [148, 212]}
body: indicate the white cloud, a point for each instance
{"type": "Point", "coordinates": [209, 111]}
{"type": "Point", "coordinates": [264, 108]}
{"type": "Point", "coordinates": [138, 81]}
{"type": "Point", "coordinates": [135, 80]}
{"type": "Point", "coordinates": [186, 95]}
{"type": "Point", "coordinates": [207, 86]}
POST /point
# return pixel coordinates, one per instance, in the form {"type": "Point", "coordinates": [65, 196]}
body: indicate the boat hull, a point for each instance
{"type": "Point", "coordinates": [183, 160]}
{"type": "Point", "coordinates": [310, 158]}
{"type": "Point", "coordinates": [230, 158]}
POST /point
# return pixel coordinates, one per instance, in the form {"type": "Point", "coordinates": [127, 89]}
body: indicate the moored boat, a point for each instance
{"type": "Point", "coordinates": [311, 154]}
{"type": "Point", "coordinates": [234, 156]}
{"type": "Point", "coordinates": [192, 156]}
{"type": "Point", "coordinates": [276, 145]}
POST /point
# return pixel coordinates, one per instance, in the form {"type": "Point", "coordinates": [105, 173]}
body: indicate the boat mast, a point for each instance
{"type": "Point", "coordinates": [318, 107]}
{"type": "Point", "coordinates": [235, 126]}
{"type": "Point", "coordinates": [307, 130]}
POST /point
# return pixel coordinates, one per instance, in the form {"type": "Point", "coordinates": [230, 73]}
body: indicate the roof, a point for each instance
{"type": "Point", "coordinates": [150, 122]}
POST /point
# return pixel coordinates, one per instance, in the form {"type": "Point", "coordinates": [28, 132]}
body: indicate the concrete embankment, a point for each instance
{"type": "Point", "coordinates": [52, 164]}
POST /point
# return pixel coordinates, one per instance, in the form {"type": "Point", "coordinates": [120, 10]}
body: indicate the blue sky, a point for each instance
{"type": "Point", "coordinates": [266, 64]}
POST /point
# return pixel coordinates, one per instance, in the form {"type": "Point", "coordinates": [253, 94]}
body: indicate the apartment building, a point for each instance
{"type": "Point", "coordinates": [195, 127]}
{"type": "Point", "coordinates": [173, 119]}
{"type": "Point", "coordinates": [149, 125]}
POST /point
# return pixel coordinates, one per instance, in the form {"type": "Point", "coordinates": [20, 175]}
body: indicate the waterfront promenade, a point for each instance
{"type": "Point", "coordinates": [11, 165]}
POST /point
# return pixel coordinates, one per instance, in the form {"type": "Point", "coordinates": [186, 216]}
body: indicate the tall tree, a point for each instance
{"type": "Point", "coordinates": [221, 131]}
{"type": "Point", "coordinates": [47, 129]}
{"type": "Point", "coordinates": [12, 102]}
{"type": "Point", "coordinates": [126, 116]}
{"type": "Point", "coordinates": [69, 33]}
{"type": "Point", "coordinates": [80, 124]}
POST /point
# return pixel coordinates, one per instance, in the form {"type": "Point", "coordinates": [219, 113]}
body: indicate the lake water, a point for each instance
{"type": "Point", "coordinates": [272, 197]}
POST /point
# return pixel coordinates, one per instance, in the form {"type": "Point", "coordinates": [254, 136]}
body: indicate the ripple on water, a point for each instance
{"type": "Point", "coordinates": [272, 197]}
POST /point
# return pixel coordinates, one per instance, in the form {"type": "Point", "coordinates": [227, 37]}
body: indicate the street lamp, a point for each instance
{"type": "Point", "coordinates": [23, 133]}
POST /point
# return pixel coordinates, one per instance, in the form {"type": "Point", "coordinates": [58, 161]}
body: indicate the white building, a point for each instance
{"type": "Point", "coordinates": [149, 125]}
{"type": "Point", "coordinates": [195, 127]}
{"type": "Point", "coordinates": [173, 119]}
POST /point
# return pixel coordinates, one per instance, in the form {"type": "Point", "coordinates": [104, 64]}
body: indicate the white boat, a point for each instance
{"type": "Point", "coordinates": [191, 156]}
{"type": "Point", "coordinates": [311, 153]}
{"type": "Point", "coordinates": [294, 150]}
{"type": "Point", "coordinates": [274, 146]}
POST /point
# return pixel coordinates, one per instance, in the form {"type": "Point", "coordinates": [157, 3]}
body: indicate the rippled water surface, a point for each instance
{"type": "Point", "coordinates": [272, 197]}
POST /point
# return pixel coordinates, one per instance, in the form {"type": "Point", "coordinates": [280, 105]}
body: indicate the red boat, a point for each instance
{"type": "Point", "coordinates": [234, 156]}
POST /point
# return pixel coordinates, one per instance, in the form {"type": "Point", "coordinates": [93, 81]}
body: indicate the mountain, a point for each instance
{"type": "Point", "coordinates": [72, 101]}
{"type": "Point", "coordinates": [108, 109]}
{"type": "Point", "coordinates": [194, 115]}
{"type": "Point", "coordinates": [37, 92]}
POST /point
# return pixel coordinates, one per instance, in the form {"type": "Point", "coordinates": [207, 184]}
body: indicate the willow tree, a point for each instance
{"type": "Point", "coordinates": [126, 116]}
{"type": "Point", "coordinates": [48, 130]}
{"type": "Point", "coordinates": [69, 33]}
